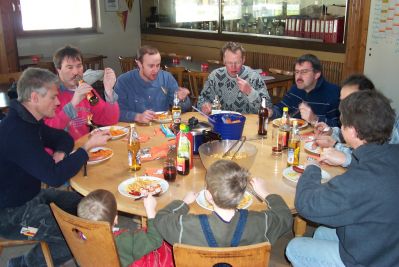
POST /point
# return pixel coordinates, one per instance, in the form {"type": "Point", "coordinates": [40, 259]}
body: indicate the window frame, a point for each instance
{"type": "Point", "coordinates": [20, 32]}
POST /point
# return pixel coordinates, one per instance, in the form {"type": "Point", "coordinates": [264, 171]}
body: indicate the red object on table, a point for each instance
{"type": "Point", "coordinates": [175, 60]}
{"type": "Point", "coordinates": [264, 73]}
{"type": "Point", "coordinates": [204, 67]}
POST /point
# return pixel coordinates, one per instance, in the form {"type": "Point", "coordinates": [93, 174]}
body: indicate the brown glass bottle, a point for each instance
{"type": "Point", "coordinates": [263, 116]}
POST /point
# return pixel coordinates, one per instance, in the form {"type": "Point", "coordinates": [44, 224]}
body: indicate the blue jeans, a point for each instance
{"type": "Point", "coordinates": [37, 213]}
{"type": "Point", "coordinates": [321, 250]}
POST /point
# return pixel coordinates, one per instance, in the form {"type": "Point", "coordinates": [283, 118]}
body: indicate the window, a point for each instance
{"type": "Point", "coordinates": [56, 16]}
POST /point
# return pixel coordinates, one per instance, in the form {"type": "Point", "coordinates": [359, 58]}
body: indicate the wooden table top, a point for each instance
{"type": "Point", "coordinates": [110, 173]}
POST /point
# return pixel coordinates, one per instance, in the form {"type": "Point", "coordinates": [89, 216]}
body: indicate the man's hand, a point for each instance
{"type": "Point", "coordinates": [97, 138]}
{"type": "Point", "coordinates": [270, 112]}
{"type": "Point", "coordinates": [244, 86]}
{"type": "Point", "coordinates": [80, 93]}
{"type": "Point", "coordinates": [109, 82]}
{"type": "Point", "coordinates": [321, 128]}
{"type": "Point", "coordinates": [324, 141]}
{"type": "Point", "coordinates": [150, 203]}
{"type": "Point", "coordinates": [206, 108]}
{"type": "Point", "coordinates": [332, 157]}
{"type": "Point", "coordinates": [182, 93]}
{"type": "Point", "coordinates": [58, 156]}
{"type": "Point", "coordinates": [307, 113]}
{"type": "Point", "coordinates": [258, 185]}
{"type": "Point", "coordinates": [190, 197]}
{"type": "Point", "coordinates": [145, 117]}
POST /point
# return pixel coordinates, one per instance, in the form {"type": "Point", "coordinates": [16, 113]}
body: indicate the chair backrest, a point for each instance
{"type": "Point", "coordinates": [91, 242]}
{"type": "Point", "coordinates": [196, 83]}
{"type": "Point", "coordinates": [127, 63]}
{"type": "Point", "coordinates": [9, 78]}
{"type": "Point", "coordinates": [93, 62]}
{"type": "Point", "coordinates": [252, 255]}
{"type": "Point", "coordinates": [177, 72]}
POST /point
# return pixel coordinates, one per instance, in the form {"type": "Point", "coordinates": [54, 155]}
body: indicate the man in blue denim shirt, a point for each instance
{"type": "Point", "coordinates": [25, 164]}
{"type": "Point", "coordinates": [148, 89]}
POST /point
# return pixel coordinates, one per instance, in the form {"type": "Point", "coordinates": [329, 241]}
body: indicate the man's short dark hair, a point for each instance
{"type": "Point", "coordinates": [370, 113]}
{"type": "Point", "coordinates": [145, 49]}
{"type": "Point", "coordinates": [312, 59]}
{"type": "Point", "coordinates": [67, 51]}
{"type": "Point", "coordinates": [233, 47]}
{"type": "Point", "coordinates": [360, 80]}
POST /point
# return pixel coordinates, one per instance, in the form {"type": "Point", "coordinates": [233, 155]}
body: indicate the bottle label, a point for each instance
{"type": "Point", "coordinates": [290, 156]}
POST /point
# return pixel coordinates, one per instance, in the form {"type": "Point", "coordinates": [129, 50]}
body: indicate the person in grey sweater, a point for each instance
{"type": "Point", "coordinates": [358, 206]}
{"type": "Point", "coordinates": [226, 183]}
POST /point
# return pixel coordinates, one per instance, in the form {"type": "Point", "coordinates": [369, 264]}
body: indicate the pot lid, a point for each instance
{"type": "Point", "coordinates": [198, 126]}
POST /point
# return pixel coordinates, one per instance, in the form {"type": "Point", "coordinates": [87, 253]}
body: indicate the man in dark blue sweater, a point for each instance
{"type": "Point", "coordinates": [360, 206]}
{"type": "Point", "coordinates": [311, 98]}
{"type": "Point", "coordinates": [24, 164]}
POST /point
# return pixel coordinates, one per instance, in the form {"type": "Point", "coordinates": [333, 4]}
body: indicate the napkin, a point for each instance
{"type": "Point", "coordinates": [155, 172]}
{"type": "Point", "coordinates": [157, 152]}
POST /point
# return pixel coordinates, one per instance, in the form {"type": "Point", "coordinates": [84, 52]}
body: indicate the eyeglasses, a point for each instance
{"type": "Point", "coordinates": [304, 71]}
{"type": "Point", "coordinates": [233, 64]}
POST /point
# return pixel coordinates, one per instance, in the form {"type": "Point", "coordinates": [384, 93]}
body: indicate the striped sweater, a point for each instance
{"type": "Point", "coordinates": [220, 83]}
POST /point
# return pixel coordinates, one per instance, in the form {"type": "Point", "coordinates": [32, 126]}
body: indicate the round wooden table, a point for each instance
{"type": "Point", "coordinates": [110, 173]}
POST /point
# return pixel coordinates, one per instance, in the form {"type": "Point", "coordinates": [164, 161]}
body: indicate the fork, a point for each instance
{"type": "Point", "coordinates": [89, 123]}
{"type": "Point", "coordinates": [252, 191]}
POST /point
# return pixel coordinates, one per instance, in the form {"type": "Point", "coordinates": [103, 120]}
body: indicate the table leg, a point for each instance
{"type": "Point", "coordinates": [299, 226]}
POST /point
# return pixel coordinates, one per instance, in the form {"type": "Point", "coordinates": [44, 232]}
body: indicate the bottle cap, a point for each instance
{"type": "Point", "coordinates": [183, 128]}
{"type": "Point", "coordinates": [285, 108]}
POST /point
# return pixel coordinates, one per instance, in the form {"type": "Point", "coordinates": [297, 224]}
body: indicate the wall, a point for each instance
{"type": "Point", "coordinates": [111, 40]}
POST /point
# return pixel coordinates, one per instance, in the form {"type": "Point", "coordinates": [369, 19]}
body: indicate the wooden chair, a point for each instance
{"type": "Point", "coordinates": [9, 78]}
{"type": "Point", "coordinates": [47, 65]}
{"type": "Point", "coordinates": [252, 255]}
{"type": "Point", "coordinates": [196, 83]}
{"type": "Point", "coordinates": [12, 243]}
{"type": "Point", "coordinates": [91, 242]}
{"type": "Point", "coordinates": [127, 63]}
{"type": "Point", "coordinates": [177, 72]}
{"type": "Point", "coordinates": [277, 93]}
{"type": "Point", "coordinates": [93, 62]}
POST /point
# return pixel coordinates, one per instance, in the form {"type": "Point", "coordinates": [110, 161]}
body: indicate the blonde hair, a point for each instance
{"type": "Point", "coordinates": [99, 205]}
{"type": "Point", "coordinates": [226, 181]}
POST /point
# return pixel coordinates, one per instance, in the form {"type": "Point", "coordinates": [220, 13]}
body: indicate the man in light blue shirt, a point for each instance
{"type": "Point", "coordinates": [336, 152]}
{"type": "Point", "coordinates": [148, 89]}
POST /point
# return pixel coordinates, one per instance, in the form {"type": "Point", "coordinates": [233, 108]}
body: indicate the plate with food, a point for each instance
{"type": "Point", "coordinates": [163, 117]}
{"type": "Point", "coordinates": [293, 173]}
{"type": "Point", "coordinates": [115, 131]}
{"type": "Point", "coordinates": [301, 123]}
{"type": "Point", "coordinates": [245, 202]}
{"type": "Point", "coordinates": [99, 154]}
{"type": "Point", "coordinates": [308, 146]}
{"type": "Point", "coordinates": [138, 187]}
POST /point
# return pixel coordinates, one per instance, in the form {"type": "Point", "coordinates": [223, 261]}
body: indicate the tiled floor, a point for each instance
{"type": "Point", "coordinates": [277, 258]}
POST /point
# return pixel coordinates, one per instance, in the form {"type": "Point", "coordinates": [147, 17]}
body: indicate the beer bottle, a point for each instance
{"type": "Point", "coordinates": [284, 128]}
{"type": "Point", "coordinates": [133, 149]}
{"type": "Point", "coordinates": [216, 106]}
{"type": "Point", "coordinates": [294, 146]}
{"type": "Point", "coordinates": [176, 113]}
{"type": "Point", "coordinates": [91, 96]}
{"type": "Point", "coordinates": [263, 115]}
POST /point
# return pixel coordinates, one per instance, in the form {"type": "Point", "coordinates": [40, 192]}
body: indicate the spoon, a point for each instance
{"type": "Point", "coordinates": [203, 114]}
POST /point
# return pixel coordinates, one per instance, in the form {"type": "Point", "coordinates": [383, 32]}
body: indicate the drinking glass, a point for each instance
{"type": "Point", "coordinates": [277, 148]}
{"type": "Point", "coordinates": [169, 170]}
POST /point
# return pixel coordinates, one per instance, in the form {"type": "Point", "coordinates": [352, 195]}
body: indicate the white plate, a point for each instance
{"type": "Point", "coordinates": [122, 188]}
{"type": "Point", "coordinates": [293, 176]}
{"type": "Point", "coordinates": [100, 160]}
{"type": "Point", "coordinates": [309, 149]}
{"type": "Point", "coordinates": [169, 119]}
{"type": "Point", "coordinates": [301, 123]}
{"type": "Point", "coordinates": [201, 200]}
{"type": "Point", "coordinates": [115, 127]}
{"type": "Point", "coordinates": [230, 112]}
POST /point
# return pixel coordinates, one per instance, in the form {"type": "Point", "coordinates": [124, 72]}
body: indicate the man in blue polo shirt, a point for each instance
{"type": "Point", "coordinates": [311, 98]}
{"type": "Point", "coordinates": [148, 89]}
